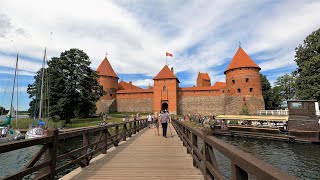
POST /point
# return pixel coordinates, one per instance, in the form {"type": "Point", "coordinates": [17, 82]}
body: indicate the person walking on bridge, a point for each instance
{"type": "Point", "coordinates": [164, 121]}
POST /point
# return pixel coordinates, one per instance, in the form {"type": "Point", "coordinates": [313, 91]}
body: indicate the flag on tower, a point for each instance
{"type": "Point", "coordinates": [168, 54]}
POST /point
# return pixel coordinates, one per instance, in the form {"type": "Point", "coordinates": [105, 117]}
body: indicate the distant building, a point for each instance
{"type": "Point", "coordinates": [240, 92]}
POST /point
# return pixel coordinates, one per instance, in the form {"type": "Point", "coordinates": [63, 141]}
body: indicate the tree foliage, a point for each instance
{"type": "Point", "coordinates": [73, 86]}
{"type": "Point", "coordinates": [270, 95]}
{"type": "Point", "coordinates": [286, 87]}
{"type": "Point", "coordinates": [2, 110]}
{"type": "Point", "coordinates": [308, 73]}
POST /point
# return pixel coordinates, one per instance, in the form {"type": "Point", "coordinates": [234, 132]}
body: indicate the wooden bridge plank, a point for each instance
{"type": "Point", "coordinates": [144, 156]}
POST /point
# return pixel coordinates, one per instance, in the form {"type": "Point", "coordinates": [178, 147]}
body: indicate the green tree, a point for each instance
{"type": "Point", "coordinates": [276, 100]}
{"type": "Point", "coordinates": [308, 72]}
{"type": "Point", "coordinates": [34, 90]}
{"type": "Point", "coordinates": [73, 86]}
{"type": "Point", "coordinates": [266, 91]}
{"type": "Point", "coordinates": [270, 95]}
{"type": "Point", "coordinates": [286, 87]}
{"type": "Point", "coordinates": [2, 110]}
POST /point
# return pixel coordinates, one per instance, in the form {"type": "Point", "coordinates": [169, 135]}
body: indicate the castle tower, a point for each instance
{"type": "Point", "coordinates": [203, 79]}
{"type": "Point", "coordinates": [243, 80]}
{"type": "Point", "coordinates": [108, 79]}
{"type": "Point", "coordinates": [165, 91]}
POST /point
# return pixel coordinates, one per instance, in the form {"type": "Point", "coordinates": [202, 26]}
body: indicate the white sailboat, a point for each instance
{"type": "Point", "coordinates": [36, 132]}
{"type": "Point", "coordinates": [7, 133]}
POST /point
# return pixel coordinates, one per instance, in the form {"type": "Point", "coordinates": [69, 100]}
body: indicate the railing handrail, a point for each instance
{"type": "Point", "coordinates": [51, 144]}
{"type": "Point", "coordinates": [273, 112]}
{"type": "Point", "coordinates": [242, 163]}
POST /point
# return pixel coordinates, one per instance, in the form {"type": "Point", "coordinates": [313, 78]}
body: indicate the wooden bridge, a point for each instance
{"type": "Point", "coordinates": [140, 155]}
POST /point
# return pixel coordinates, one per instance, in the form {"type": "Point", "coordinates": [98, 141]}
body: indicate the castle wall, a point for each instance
{"type": "Point", "coordinates": [135, 102]}
{"type": "Point", "coordinates": [106, 106]}
{"type": "Point", "coordinates": [204, 105]}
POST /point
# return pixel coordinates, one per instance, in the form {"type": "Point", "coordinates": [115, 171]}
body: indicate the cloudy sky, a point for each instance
{"type": "Point", "coordinates": [202, 35]}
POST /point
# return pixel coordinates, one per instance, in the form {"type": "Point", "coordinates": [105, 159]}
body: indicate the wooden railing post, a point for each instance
{"type": "Point", "coordinates": [124, 132]}
{"type": "Point", "coordinates": [130, 126]}
{"type": "Point", "coordinates": [194, 146]}
{"type": "Point", "coordinates": [105, 138]}
{"type": "Point", "coordinates": [138, 125]}
{"type": "Point", "coordinates": [204, 157]}
{"type": "Point", "coordinates": [237, 173]}
{"type": "Point", "coordinates": [85, 142]}
{"type": "Point", "coordinates": [51, 155]}
{"type": "Point", "coordinates": [116, 132]}
{"type": "Point", "coordinates": [134, 127]}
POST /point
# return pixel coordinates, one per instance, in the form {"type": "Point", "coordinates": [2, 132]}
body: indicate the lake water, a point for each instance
{"type": "Point", "coordinates": [301, 160]}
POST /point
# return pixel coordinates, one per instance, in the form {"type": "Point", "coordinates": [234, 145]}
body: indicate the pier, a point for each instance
{"type": "Point", "coordinates": [131, 150]}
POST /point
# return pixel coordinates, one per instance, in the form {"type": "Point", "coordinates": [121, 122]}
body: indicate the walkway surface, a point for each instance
{"type": "Point", "coordinates": [144, 156]}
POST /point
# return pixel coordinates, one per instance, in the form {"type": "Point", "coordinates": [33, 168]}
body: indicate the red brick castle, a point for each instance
{"type": "Point", "coordinates": [241, 91]}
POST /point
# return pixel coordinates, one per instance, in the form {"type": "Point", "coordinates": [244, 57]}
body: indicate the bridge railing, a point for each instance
{"type": "Point", "coordinates": [273, 112]}
{"type": "Point", "coordinates": [242, 163]}
{"type": "Point", "coordinates": [57, 155]}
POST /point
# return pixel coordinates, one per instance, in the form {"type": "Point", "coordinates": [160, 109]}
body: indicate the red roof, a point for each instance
{"type": "Point", "coordinates": [204, 76]}
{"type": "Point", "coordinates": [165, 73]}
{"type": "Point", "coordinates": [105, 69]}
{"type": "Point", "coordinates": [219, 85]}
{"type": "Point", "coordinates": [241, 59]}
{"type": "Point", "coordinates": [127, 86]}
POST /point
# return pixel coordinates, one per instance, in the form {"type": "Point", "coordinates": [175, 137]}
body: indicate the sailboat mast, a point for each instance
{"type": "Point", "coordinates": [41, 92]}
{"type": "Point", "coordinates": [17, 96]}
{"type": "Point", "coordinates": [14, 83]}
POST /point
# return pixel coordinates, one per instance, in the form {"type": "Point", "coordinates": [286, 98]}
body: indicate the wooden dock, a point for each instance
{"type": "Point", "coordinates": [144, 156]}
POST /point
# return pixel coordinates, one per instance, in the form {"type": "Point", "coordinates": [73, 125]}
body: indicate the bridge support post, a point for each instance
{"type": "Point", "coordinates": [130, 127]}
{"type": "Point", "coordinates": [194, 146]}
{"type": "Point", "coordinates": [85, 143]}
{"type": "Point", "coordinates": [105, 138]}
{"type": "Point", "coordinates": [50, 154]}
{"type": "Point", "coordinates": [116, 132]}
{"type": "Point", "coordinates": [134, 127]}
{"type": "Point", "coordinates": [237, 173]}
{"type": "Point", "coordinates": [124, 132]}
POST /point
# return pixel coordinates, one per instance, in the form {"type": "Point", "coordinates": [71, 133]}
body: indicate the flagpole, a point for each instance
{"type": "Point", "coordinates": [166, 59]}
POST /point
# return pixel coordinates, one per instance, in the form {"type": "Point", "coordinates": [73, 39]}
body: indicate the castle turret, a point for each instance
{"type": "Point", "coordinates": [203, 79]}
{"type": "Point", "coordinates": [243, 80]}
{"type": "Point", "coordinates": [108, 79]}
{"type": "Point", "coordinates": [165, 90]}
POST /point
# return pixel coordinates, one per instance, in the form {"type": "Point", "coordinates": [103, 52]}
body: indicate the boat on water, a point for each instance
{"type": "Point", "coordinates": [6, 131]}
{"type": "Point", "coordinates": [39, 131]}
{"type": "Point", "coordinates": [302, 124]}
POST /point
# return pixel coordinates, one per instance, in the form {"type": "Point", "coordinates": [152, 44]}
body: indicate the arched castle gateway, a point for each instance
{"type": "Point", "coordinates": [240, 92]}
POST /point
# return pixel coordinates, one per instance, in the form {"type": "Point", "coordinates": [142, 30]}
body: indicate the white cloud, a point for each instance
{"type": "Point", "coordinates": [144, 82]}
{"type": "Point", "coordinates": [200, 34]}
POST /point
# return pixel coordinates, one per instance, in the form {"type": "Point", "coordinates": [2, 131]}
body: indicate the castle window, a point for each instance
{"type": "Point", "coordinates": [222, 91]}
{"type": "Point", "coordinates": [251, 89]}
{"type": "Point", "coordinates": [110, 94]}
{"type": "Point", "coordinates": [239, 90]}
{"type": "Point", "coordinates": [247, 80]}
{"type": "Point", "coordinates": [233, 81]}
{"type": "Point", "coordinates": [164, 88]}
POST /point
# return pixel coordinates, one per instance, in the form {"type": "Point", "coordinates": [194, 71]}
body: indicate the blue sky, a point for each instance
{"type": "Point", "coordinates": [202, 35]}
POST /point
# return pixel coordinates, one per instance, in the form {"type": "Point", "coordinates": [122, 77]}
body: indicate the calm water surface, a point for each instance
{"type": "Point", "coordinates": [300, 160]}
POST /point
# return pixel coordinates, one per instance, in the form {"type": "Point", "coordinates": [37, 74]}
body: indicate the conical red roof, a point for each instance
{"type": "Point", "coordinates": [105, 69]}
{"type": "Point", "coordinates": [165, 73]}
{"type": "Point", "coordinates": [241, 59]}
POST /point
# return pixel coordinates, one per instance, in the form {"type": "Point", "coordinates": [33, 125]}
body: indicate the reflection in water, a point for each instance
{"type": "Point", "coordinates": [301, 160]}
